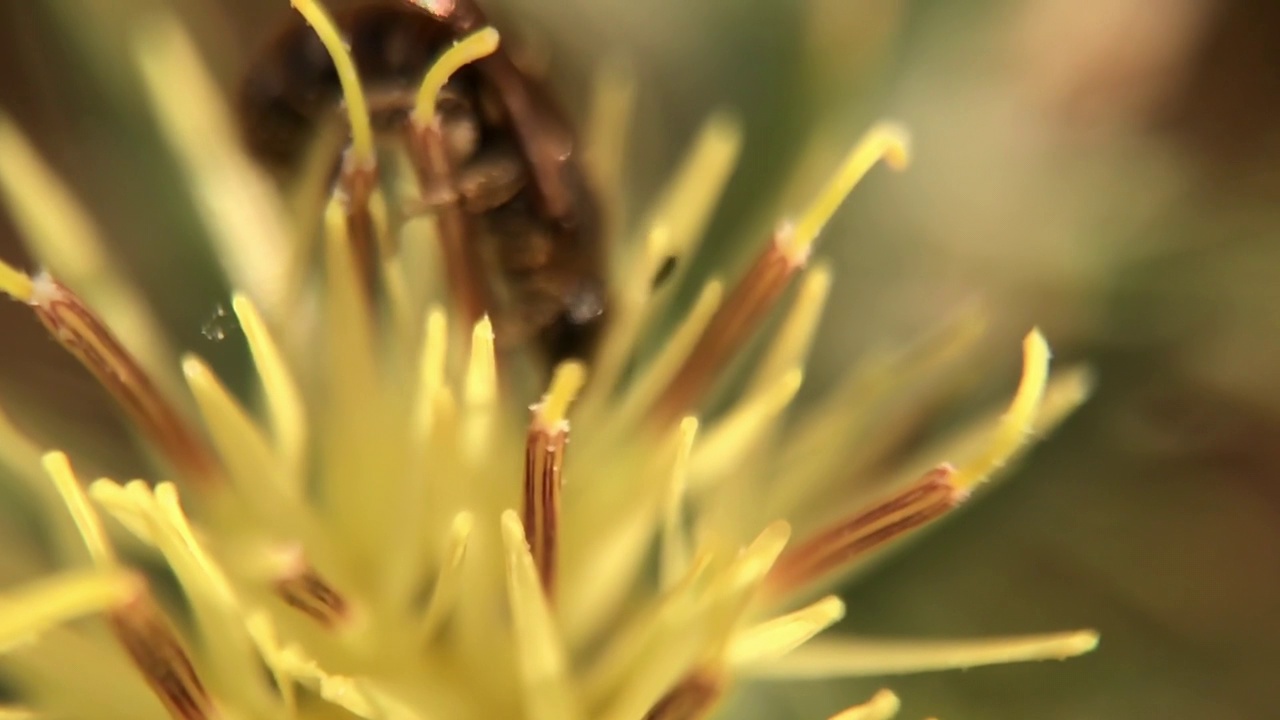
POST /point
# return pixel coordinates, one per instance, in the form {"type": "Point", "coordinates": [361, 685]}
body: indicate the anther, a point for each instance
{"type": "Point", "coordinates": [301, 587]}
{"type": "Point", "coordinates": [155, 648]}
{"type": "Point", "coordinates": [692, 699]}
{"type": "Point", "coordinates": [544, 459]}
{"type": "Point", "coordinates": [86, 336]}
{"type": "Point", "coordinates": [737, 319]}
{"type": "Point", "coordinates": [837, 547]}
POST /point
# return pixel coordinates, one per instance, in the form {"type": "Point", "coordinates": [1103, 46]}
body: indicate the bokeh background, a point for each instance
{"type": "Point", "coordinates": [1106, 169]}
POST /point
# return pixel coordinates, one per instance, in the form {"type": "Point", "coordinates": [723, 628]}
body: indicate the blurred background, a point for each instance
{"type": "Point", "coordinates": [1106, 169]}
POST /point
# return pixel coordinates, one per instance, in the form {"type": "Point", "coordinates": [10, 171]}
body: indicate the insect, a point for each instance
{"type": "Point", "coordinates": [530, 222]}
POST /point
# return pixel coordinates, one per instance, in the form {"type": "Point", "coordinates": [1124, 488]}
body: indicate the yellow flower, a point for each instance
{"type": "Point", "coordinates": [391, 535]}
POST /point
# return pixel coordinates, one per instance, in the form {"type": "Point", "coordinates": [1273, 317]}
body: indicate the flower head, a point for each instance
{"type": "Point", "coordinates": [389, 532]}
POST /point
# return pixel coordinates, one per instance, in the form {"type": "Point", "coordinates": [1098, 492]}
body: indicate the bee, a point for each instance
{"type": "Point", "coordinates": [530, 221]}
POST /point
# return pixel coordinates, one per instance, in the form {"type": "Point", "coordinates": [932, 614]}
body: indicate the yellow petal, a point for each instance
{"type": "Point", "coordinates": [544, 671]}
{"type": "Point", "coordinates": [675, 540]}
{"type": "Point", "coordinates": [31, 610]}
{"type": "Point", "coordinates": [791, 343]}
{"type": "Point", "coordinates": [240, 442]}
{"type": "Point", "coordinates": [743, 428]}
{"type": "Point", "coordinates": [860, 657]}
{"type": "Point", "coordinates": [675, 225]}
{"type": "Point", "coordinates": [449, 577]}
{"type": "Point", "coordinates": [86, 520]}
{"type": "Point", "coordinates": [775, 638]}
{"type": "Point", "coordinates": [284, 401]}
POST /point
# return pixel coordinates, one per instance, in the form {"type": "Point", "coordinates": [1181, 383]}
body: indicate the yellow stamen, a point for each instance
{"type": "Point", "coordinates": [1063, 394]}
{"type": "Point", "coordinates": [759, 557]}
{"type": "Point", "coordinates": [364, 153]}
{"type": "Point", "coordinates": [479, 44]}
{"type": "Point", "coordinates": [565, 384]}
{"type": "Point", "coordinates": [284, 402]}
{"type": "Point", "coordinates": [86, 519]}
{"type": "Point", "coordinates": [675, 225]}
{"type": "Point", "coordinates": [887, 142]}
{"type": "Point", "coordinates": [449, 577]}
{"type": "Point", "coordinates": [45, 604]}
{"type": "Point", "coordinates": [15, 283]}
{"type": "Point", "coordinates": [791, 344]}
{"type": "Point", "coordinates": [817, 452]}
{"type": "Point", "coordinates": [675, 351]}
{"type": "Point", "coordinates": [156, 517]}
{"type": "Point", "coordinates": [777, 637]}
{"type": "Point", "coordinates": [267, 640]}
{"type": "Point", "coordinates": [380, 221]}
{"type": "Point", "coordinates": [481, 388]}
{"type": "Point", "coordinates": [431, 371]}
{"type": "Point", "coordinates": [688, 201]}
{"type": "Point", "coordinates": [357, 696]}
{"type": "Point", "coordinates": [882, 706]}
{"type": "Point", "coordinates": [743, 428]}
{"type": "Point", "coordinates": [675, 541]}
{"type": "Point", "coordinates": [652, 652]}
{"type": "Point", "coordinates": [1016, 424]}
{"type": "Point", "coordinates": [158, 511]}
{"type": "Point", "coordinates": [1066, 392]}
{"type": "Point", "coordinates": [400, 299]}
{"type": "Point", "coordinates": [236, 436]}
{"type": "Point", "coordinates": [350, 324]}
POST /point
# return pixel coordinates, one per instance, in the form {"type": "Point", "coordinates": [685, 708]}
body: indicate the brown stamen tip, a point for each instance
{"type": "Point", "coordinates": [145, 632]}
{"type": "Point", "coordinates": [840, 545]}
{"type": "Point", "coordinates": [729, 329]}
{"type": "Point", "coordinates": [86, 336]}
{"type": "Point", "coordinates": [303, 588]}
{"type": "Point", "coordinates": [694, 698]}
{"type": "Point", "coordinates": [435, 177]}
{"type": "Point", "coordinates": [544, 457]}
{"type": "Point", "coordinates": [356, 184]}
